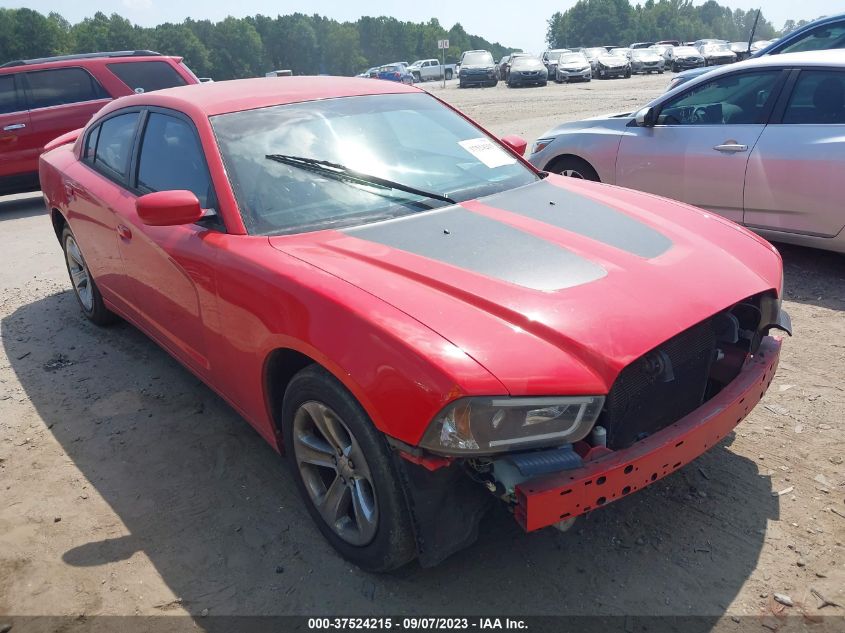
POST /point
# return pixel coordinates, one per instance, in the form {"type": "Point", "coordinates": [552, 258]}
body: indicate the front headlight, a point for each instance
{"type": "Point", "coordinates": [489, 425]}
{"type": "Point", "coordinates": [540, 144]}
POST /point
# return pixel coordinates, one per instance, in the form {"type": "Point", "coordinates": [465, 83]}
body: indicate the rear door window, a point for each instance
{"type": "Point", "coordinates": [10, 98]}
{"type": "Point", "coordinates": [114, 145]}
{"type": "Point", "coordinates": [60, 86]}
{"type": "Point", "coordinates": [146, 76]}
{"type": "Point", "coordinates": [818, 99]}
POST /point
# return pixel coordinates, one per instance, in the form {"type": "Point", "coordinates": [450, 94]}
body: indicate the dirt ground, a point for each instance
{"type": "Point", "coordinates": [127, 487]}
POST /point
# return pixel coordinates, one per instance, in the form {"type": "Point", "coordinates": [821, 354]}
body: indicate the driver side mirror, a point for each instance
{"type": "Point", "coordinates": [516, 143]}
{"type": "Point", "coordinates": [169, 208]}
{"type": "Point", "coordinates": [647, 117]}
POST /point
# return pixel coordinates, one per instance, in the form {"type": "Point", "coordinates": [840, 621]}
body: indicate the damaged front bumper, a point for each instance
{"type": "Point", "coordinates": [550, 499]}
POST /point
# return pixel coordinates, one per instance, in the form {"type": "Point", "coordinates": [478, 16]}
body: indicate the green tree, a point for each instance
{"type": "Point", "coordinates": [236, 49]}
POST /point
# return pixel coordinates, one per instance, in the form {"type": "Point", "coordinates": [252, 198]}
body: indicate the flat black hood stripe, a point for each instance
{"type": "Point", "coordinates": [579, 214]}
{"type": "Point", "coordinates": [474, 242]}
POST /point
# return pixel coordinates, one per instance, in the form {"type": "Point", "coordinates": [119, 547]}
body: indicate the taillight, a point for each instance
{"type": "Point", "coordinates": [397, 75]}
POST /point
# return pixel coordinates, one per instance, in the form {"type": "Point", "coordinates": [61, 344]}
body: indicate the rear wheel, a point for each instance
{"type": "Point", "coordinates": [448, 74]}
{"type": "Point", "coordinates": [345, 473]}
{"type": "Point", "coordinates": [84, 287]}
{"type": "Point", "coordinates": [573, 167]}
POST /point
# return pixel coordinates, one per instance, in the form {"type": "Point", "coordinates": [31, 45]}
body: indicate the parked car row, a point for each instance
{"type": "Point", "coordinates": [823, 34]}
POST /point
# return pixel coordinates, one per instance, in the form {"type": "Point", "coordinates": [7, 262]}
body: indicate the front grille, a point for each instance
{"type": "Point", "coordinates": [660, 387]}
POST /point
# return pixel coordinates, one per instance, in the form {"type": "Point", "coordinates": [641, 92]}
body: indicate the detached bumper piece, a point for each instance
{"type": "Point", "coordinates": [547, 500]}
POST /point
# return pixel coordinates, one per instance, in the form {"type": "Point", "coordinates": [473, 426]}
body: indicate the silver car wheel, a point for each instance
{"type": "Point", "coordinates": [572, 173]}
{"type": "Point", "coordinates": [79, 276]}
{"type": "Point", "coordinates": [335, 473]}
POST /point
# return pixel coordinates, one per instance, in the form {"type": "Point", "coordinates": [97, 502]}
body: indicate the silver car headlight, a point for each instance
{"type": "Point", "coordinates": [488, 425]}
{"type": "Point", "coordinates": [540, 144]}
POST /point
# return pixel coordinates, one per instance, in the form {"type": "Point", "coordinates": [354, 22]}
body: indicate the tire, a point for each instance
{"type": "Point", "coordinates": [461, 84]}
{"type": "Point", "coordinates": [448, 75]}
{"type": "Point", "coordinates": [544, 83]}
{"type": "Point", "coordinates": [675, 68]}
{"type": "Point", "coordinates": [418, 77]}
{"type": "Point", "coordinates": [315, 399]}
{"type": "Point", "coordinates": [494, 83]}
{"type": "Point", "coordinates": [628, 74]}
{"type": "Point", "coordinates": [573, 167]}
{"type": "Point", "coordinates": [84, 287]}
{"type": "Point", "coordinates": [660, 72]}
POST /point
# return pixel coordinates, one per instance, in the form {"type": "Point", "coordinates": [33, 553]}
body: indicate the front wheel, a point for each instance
{"type": "Point", "coordinates": [573, 167]}
{"type": "Point", "coordinates": [345, 473]}
{"type": "Point", "coordinates": [84, 287]}
{"type": "Point", "coordinates": [628, 74]}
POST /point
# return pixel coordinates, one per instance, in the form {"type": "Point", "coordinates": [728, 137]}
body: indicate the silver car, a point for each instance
{"type": "Point", "coordinates": [573, 67]}
{"type": "Point", "coordinates": [646, 61]}
{"type": "Point", "coordinates": [761, 142]}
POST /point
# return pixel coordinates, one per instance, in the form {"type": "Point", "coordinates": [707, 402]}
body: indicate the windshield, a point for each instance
{"type": "Point", "coordinates": [619, 51]}
{"type": "Point", "coordinates": [410, 139]}
{"type": "Point", "coordinates": [595, 52]}
{"type": "Point", "coordinates": [641, 53]}
{"type": "Point", "coordinates": [478, 59]}
{"type": "Point", "coordinates": [685, 50]}
{"type": "Point", "coordinates": [573, 58]}
{"type": "Point", "coordinates": [716, 48]}
{"type": "Point", "coordinates": [526, 62]}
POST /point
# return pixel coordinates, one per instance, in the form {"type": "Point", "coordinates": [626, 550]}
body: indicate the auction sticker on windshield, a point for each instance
{"type": "Point", "coordinates": [487, 152]}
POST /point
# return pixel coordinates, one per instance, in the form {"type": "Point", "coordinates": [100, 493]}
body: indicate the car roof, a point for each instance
{"type": "Point", "coordinates": [792, 35]}
{"type": "Point", "coordinates": [835, 57]}
{"type": "Point", "coordinates": [85, 60]}
{"type": "Point", "coordinates": [222, 97]}
{"type": "Point", "coordinates": [823, 58]}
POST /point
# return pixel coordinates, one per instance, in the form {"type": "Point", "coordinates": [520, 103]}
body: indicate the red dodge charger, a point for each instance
{"type": "Point", "coordinates": [421, 320]}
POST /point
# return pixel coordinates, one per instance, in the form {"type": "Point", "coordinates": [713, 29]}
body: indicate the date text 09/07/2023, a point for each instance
{"type": "Point", "coordinates": [416, 624]}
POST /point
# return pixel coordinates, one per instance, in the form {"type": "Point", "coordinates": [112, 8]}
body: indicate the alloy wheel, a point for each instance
{"type": "Point", "coordinates": [79, 276]}
{"type": "Point", "coordinates": [572, 173]}
{"type": "Point", "coordinates": [335, 473]}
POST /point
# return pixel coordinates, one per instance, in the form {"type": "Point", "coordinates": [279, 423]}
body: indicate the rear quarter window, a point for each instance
{"type": "Point", "coordinates": [146, 76]}
{"type": "Point", "coordinates": [114, 145]}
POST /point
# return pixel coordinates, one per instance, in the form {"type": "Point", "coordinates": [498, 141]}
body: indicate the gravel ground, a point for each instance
{"type": "Point", "coordinates": [127, 487]}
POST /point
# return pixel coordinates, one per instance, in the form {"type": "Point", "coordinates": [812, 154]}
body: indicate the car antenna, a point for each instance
{"type": "Point", "coordinates": [753, 30]}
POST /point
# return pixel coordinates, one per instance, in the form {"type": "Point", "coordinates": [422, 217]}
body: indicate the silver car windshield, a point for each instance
{"type": "Point", "coordinates": [573, 58]}
{"type": "Point", "coordinates": [405, 138]}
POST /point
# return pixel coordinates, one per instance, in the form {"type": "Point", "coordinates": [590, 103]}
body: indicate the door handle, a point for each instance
{"type": "Point", "coordinates": [124, 231]}
{"type": "Point", "coordinates": [69, 190]}
{"type": "Point", "coordinates": [14, 126]}
{"type": "Point", "coordinates": [731, 147]}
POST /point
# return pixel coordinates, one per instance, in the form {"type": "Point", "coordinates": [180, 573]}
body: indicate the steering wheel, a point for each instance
{"type": "Point", "coordinates": [699, 115]}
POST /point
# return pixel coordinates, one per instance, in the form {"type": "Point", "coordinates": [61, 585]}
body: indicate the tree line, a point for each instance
{"type": "Point", "coordinates": [617, 22]}
{"type": "Point", "coordinates": [241, 47]}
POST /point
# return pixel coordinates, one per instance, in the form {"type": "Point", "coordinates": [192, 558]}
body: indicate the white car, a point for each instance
{"type": "Point", "coordinates": [760, 142]}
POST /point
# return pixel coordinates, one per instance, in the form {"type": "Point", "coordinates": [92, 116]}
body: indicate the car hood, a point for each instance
{"type": "Point", "coordinates": [553, 287]}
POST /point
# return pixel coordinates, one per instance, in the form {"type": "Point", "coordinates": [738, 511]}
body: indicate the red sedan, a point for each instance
{"type": "Point", "coordinates": [422, 321]}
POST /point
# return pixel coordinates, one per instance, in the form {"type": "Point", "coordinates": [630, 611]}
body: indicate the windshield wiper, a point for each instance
{"type": "Point", "coordinates": [340, 172]}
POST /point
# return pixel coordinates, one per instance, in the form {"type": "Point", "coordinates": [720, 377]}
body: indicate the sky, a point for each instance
{"type": "Point", "coordinates": [496, 20]}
